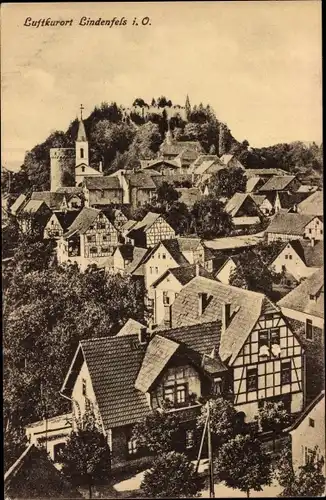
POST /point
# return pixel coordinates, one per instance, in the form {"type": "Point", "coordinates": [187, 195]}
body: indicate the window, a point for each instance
{"type": "Point", "coordinates": [263, 338]}
{"type": "Point", "coordinates": [311, 422]}
{"type": "Point", "coordinates": [169, 393]}
{"type": "Point", "coordinates": [308, 455]}
{"type": "Point", "coordinates": [150, 270]}
{"type": "Point", "coordinates": [156, 270]}
{"type": "Point", "coordinates": [93, 250]}
{"type": "Point", "coordinates": [166, 299]}
{"type": "Point", "coordinates": [309, 230]}
{"type": "Point", "coordinates": [309, 329]}
{"type": "Point", "coordinates": [105, 238]}
{"type": "Point", "coordinates": [285, 372]}
{"type": "Point", "coordinates": [290, 257]}
{"type": "Point", "coordinates": [190, 441]}
{"type": "Point", "coordinates": [283, 268]}
{"type": "Point", "coordinates": [84, 387]}
{"type": "Point", "coordinates": [159, 256]}
{"type": "Point", "coordinates": [163, 256]}
{"type": "Point", "coordinates": [83, 169]}
{"type": "Point", "coordinates": [81, 152]}
{"type": "Point", "coordinates": [286, 256]}
{"type": "Point", "coordinates": [181, 393]}
{"type": "Point", "coordinates": [91, 238]}
{"type": "Point", "coordinates": [132, 446]}
{"type": "Point", "coordinates": [105, 250]}
{"type": "Point", "coordinates": [52, 222]}
{"type": "Point", "coordinates": [252, 379]}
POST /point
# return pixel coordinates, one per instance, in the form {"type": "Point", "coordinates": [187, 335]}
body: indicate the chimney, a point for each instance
{"type": "Point", "coordinates": [226, 315]}
{"type": "Point", "coordinates": [143, 336]}
{"type": "Point", "coordinates": [197, 270]}
{"type": "Point", "coordinates": [168, 316]}
{"type": "Point", "coordinates": [312, 241]}
{"type": "Point", "coordinates": [100, 168]}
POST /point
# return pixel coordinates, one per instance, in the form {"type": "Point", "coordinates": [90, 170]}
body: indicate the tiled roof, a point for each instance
{"type": "Point", "coordinates": [146, 222]}
{"type": "Point", "coordinates": [177, 146]}
{"type": "Point", "coordinates": [70, 190]}
{"type": "Point", "coordinates": [83, 220]}
{"type": "Point", "coordinates": [188, 244]}
{"type": "Point", "coordinates": [252, 182]}
{"type": "Point", "coordinates": [258, 198]}
{"type": "Point", "coordinates": [235, 203]}
{"type": "Point", "coordinates": [126, 251]}
{"type": "Point", "coordinates": [160, 161]}
{"type": "Point", "coordinates": [113, 364]}
{"type": "Point", "coordinates": [159, 351]}
{"type": "Point", "coordinates": [245, 221]}
{"type": "Point", "coordinates": [188, 154]}
{"type": "Point", "coordinates": [299, 298]}
{"type": "Point", "coordinates": [18, 203]}
{"type": "Point", "coordinates": [185, 310]}
{"type": "Point", "coordinates": [256, 172]}
{"type": "Point", "coordinates": [203, 158]}
{"type": "Point", "coordinates": [102, 183]}
{"type": "Point", "coordinates": [278, 183]}
{"type": "Point", "coordinates": [312, 205]}
{"type": "Point", "coordinates": [135, 267]}
{"type": "Point", "coordinates": [183, 274]}
{"type": "Point", "coordinates": [289, 200]}
{"type": "Point", "coordinates": [131, 327]}
{"type": "Point", "coordinates": [287, 223]}
{"type": "Point", "coordinates": [200, 337]}
{"type": "Point", "coordinates": [52, 199]}
{"type": "Point", "coordinates": [226, 158]}
{"type": "Point", "coordinates": [33, 206]}
{"type": "Point", "coordinates": [173, 247]}
{"type": "Point", "coordinates": [312, 256]}
{"type": "Point", "coordinates": [128, 225]}
{"type": "Point", "coordinates": [141, 180]}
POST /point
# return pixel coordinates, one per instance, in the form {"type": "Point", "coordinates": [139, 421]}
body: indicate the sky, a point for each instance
{"type": "Point", "coordinates": [258, 64]}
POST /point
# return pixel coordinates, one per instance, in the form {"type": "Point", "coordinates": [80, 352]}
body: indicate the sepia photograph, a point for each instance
{"type": "Point", "coordinates": [162, 250]}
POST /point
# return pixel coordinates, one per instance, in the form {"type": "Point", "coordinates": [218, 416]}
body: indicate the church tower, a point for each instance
{"type": "Point", "coordinates": [169, 135]}
{"type": "Point", "coordinates": [81, 142]}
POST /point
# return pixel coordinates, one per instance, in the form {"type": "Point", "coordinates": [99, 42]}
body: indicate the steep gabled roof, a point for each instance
{"type": "Point", "coordinates": [128, 225]}
{"type": "Point", "coordinates": [160, 161]}
{"type": "Point", "coordinates": [278, 183]}
{"type": "Point", "coordinates": [252, 182]}
{"type": "Point", "coordinates": [141, 179]}
{"type": "Point", "coordinates": [18, 204]}
{"type": "Point", "coordinates": [53, 200]}
{"type": "Point", "coordinates": [235, 203]}
{"type": "Point", "coordinates": [183, 274]}
{"type": "Point", "coordinates": [313, 205]}
{"type": "Point", "coordinates": [33, 206]}
{"type": "Point", "coordinates": [188, 244]}
{"type": "Point", "coordinates": [299, 298]}
{"type": "Point", "coordinates": [147, 222]}
{"type": "Point", "coordinates": [66, 219]}
{"type": "Point", "coordinates": [158, 353]}
{"type": "Point", "coordinates": [113, 364]}
{"type": "Point", "coordinates": [312, 256]}
{"type": "Point", "coordinates": [84, 219]}
{"type": "Point", "coordinates": [131, 327]}
{"type": "Point", "coordinates": [246, 306]}
{"type": "Point", "coordinates": [135, 267]}
{"type": "Point", "coordinates": [287, 223]}
{"type": "Point", "coordinates": [289, 200]}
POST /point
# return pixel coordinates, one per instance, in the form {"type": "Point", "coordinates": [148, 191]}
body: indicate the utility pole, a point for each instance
{"type": "Point", "coordinates": [210, 454]}
{"type": "Point", "coordinates": [45, 417]}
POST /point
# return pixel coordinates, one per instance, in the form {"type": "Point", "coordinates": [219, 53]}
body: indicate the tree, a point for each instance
{"type": "Point", "coordinates": [210, 219]}
{"type": "Point", "coordinates": [86, 457]}
{"type": "Point", "coordinates": [227, 182]}
{"type": "Point", "coordinates": [225, 421]}
{"type": "Point", "coordinates": [307, 481]}
{"type": "Point", "coordinates": [273, 416]}
{"type": "Point", "coordinates": [15, 442]}
{"type": "Point", "coordinates": [242, 464]}
{"type": "Point", "coordinates": [158, 432]}
{"type": "Point", "coordinates": [171, 476]}
{"type": "Point", "coordinates": [166, 194]}
{"type": "Point", "coordinates": [140, 102]}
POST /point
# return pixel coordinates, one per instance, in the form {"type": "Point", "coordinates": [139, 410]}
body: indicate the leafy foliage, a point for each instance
{"type": "Point", "coordinates": [273, 415]}
{"type": "Point", "coordinates": [308, 481]}
{"type": "Point", "coordinates": [227, 182]}
{"type": "Point", "coordinates": [86, 458]}
{"type": "Point", "coordinates": [210, 219]}
{"type": "Point", "coordinates": [157, 432]}
{"type": "Point", "coordinates": [225, 420]}
{"type": "Point", "coordinates": [15, 442]}
{"type": "Point", "coordinates": [242, 464]}
{"type": "Point", "coordinates": [50, 310]}
{"type": "Point", "coordinates": [172, 476]}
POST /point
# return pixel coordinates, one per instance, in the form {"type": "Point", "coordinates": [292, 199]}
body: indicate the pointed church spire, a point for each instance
{"type": "Point", "coordinates": [187, 107]}
{"type": "Point", "coordinates": [81, 136]}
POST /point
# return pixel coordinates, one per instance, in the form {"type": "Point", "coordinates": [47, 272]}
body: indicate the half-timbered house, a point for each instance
{"type": "Point", "coordinates": [58, 224]}
{"type": "Point", "coordinates": [91, 238]}
{"type": "Point", "coordinates": [264, 355]}
{"type": "Point", "coordinates": [152, 229]}
{"type": "Point", "coordinates": [293, 226]}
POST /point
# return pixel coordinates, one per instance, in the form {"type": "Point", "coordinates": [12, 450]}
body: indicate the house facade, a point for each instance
{"type": "Point", "coordinates": [299, 258]}
{"type": "Point", "coordinates": [308, 433]}
{"type": "Point", "coordinates": [265, 357]}
{"type": "Point", "coordinates": [91, 238]}
{"type": "Point", "coordinates": [58, 224]}
{"type": "Point", "coordinates": [304, 309]}
{"type": "Point", "coordinates": [100, 191]}
{"type": "Point", "coordinates": [150, 231]}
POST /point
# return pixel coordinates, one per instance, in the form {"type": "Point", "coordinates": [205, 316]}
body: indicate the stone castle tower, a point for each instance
{"type": "Point", "coordinates": [63, 161]}
{"type": "Point", "coordinates": [62, 167]}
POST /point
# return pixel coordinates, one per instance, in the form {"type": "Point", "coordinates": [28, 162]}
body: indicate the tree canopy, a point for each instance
{"type": "Point", "coordinates": [157, 432]}
{"type": "Point", "coordinates": [210, 220]}
{"type": "Point", "coordinates": [227, 182]}
{"type": "Point", "coordinates": [171, 476]}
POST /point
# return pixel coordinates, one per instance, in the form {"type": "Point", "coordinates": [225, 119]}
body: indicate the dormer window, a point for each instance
{"type": "Point", "coordinates": [84, 387]}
